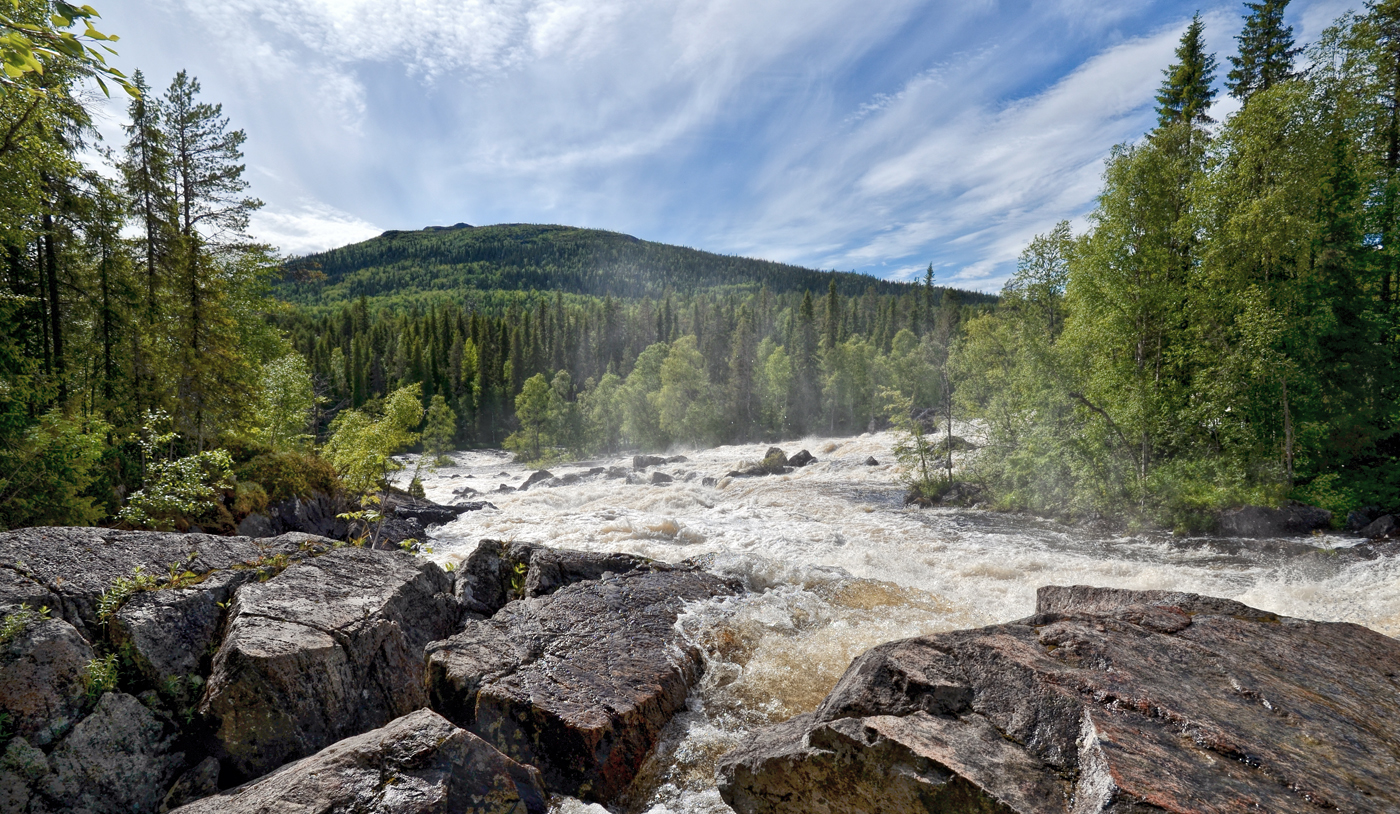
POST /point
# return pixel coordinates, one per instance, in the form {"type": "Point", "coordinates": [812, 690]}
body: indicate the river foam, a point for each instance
{"type": "Point", "coordinates": [835, 563]}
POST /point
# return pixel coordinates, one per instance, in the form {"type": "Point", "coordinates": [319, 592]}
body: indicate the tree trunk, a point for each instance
{"type": "Point", "coordinates": [55, 310]}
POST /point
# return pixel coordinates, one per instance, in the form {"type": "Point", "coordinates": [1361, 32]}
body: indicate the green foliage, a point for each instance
{"type": "Point", "coordinates": [285, 403]}
{"type": "Point", "coordinates": [122, 590]}
{"type": "Point", "coordinates": [100, 676]}
{"type": "Point", "coordinates": [284, 475]}
{"type": "Point", "coordinates": [439, 431]}
{"type": "Point", "coordinates": [19, 621]}
{"type": "Point", "coordinates": [913, 447]}
{"type": "Point", "coordinates": [45, 479]}
{"type": "Point", "coordinates": [175, 488]}
{"type": "Point", "coordinates": [31, 43]}
{"type": "Point", "coordinates": [1186, 93]}
{"type": "Point", "coordinates": [362, 445]}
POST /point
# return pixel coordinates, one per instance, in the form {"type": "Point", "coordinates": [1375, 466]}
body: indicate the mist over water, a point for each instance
{"type": "Point", "coordinates": [835, 563]}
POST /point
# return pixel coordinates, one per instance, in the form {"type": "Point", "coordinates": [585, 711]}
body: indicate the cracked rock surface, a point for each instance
{"type": "Point", "coordinates": [578, 682]}
{"type": "Point", "coordinates": [417, 764]}
{"type": "Point", "coordinates": [1105, 701]}
{"type": "Point", "coordinates": [330, 648]}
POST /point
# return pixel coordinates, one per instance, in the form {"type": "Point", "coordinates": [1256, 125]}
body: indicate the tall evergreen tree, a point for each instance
{"type": "Point", "coordinates": [1186, 93]}
{"type": "Point", "coordinates": [1266, 51]}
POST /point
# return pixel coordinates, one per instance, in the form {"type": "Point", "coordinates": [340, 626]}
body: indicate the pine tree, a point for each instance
{"type": "Point", "coordinates": [147, 173]}
{"type": "Point", "coordinates": [1186, 93]}
{"type": "Point", "coordinates": [1266, 51]}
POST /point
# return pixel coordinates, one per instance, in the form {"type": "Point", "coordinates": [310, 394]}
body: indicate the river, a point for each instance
{"type": "Point", "coordinates": [835, 563]}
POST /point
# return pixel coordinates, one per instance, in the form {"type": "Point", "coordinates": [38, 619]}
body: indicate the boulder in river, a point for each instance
{"type": "Point", "coordinates": [330, 648]}
{"type": "Point", "coordinates": [640, 462]}
{"type": "Point", "coordinates": [417, 764]}
{"type": "Point", "coordinates": [579, 682]}
{"type": "Point", "coordinates": [871, 461]}
{"type": "Point", "coordinates": [658, 478]}
{"type": "Point", "coordinates": [1384, 526]}
{"type": "Point", "coordinates": [1261, 521]}
{"type": "Point", "coordinates": [1103, 701]}
{"type": "Point", "coordinates": [538, 476]}
{"type": "Point", "coordinates": [498, 572]}
{"type": "Point", "coordinates": [802, 459]}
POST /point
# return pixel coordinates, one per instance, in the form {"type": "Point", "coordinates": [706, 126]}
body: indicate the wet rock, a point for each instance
{"type": "Point", "coordinates": [660, 477]}
{"type": "Point", "coordinates": [871, 461]}
{"type": "Point", "coordinates": [643, 461]}
{"type": "Point", "coordinates": [417, 764]}
{"type": "Point", "coordinates": [404, 506]}
{"type": "Point", "coordinates": [1361, 518]}
{"type": "Point", "coordinates": [1104, 701]}
{"type": "Point", "coordinates": [677, 459]}
{"type": "Point", "coordinates": [67, 569]}
{"type": "Point", "coordinates": [195, 784]}
{"type": "Point", "coordinates": [119, 759]}
{"type": "Point", "coordinates": [1386, 526]}
{"type": "Point", "coordinates": [505, 488]}
{"type": "Point", "coordinates": [580, 682]}
{"type": "Point", "coordinates": [595, 471]}
{"type": "Point", "coordinates": [615, 472]}
{"type": "Point", "coordinates": [709, 481]}
{"type": "Point", "coordinates": [801, 459]}
{"type": "Point", "coordinates": [498, 572]}
{"type": "Point", "coordinates": [41, 681]}
{"type": "Point", "coordinates": [317, 514]}
{"type": "Point", "coordinates": [330, 648]}
{"type": "Point", "coordinates": [1260, 521]}
{"type": "Point", "coordinates": [538, 476]}
{"type": "Point", "coordinates": [464, 491]}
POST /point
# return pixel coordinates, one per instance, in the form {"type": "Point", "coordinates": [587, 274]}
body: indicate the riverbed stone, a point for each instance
{"type": "Point", "coordinates": [1262, 521]}
{"type": "Point", "coordinates": [329, 648]}
{"type": "Point", "coordinates": [41, 680]}
{"type": "Point", "coordinates": [538, 476]}
{"type": "Point", "coordinates": [497, 572]}
{"type": "Point", "coordinates": [417, 764]}
{"type": "Point", "coordinates": [1104, 701]}
{"type": "Point", "coordinates": [117, 760]}
{"type": "Point", "coordinates": [578, 682]}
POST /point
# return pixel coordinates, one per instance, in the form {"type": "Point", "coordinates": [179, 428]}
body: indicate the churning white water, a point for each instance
{"type": "Point", "coordinates": [835, 563]}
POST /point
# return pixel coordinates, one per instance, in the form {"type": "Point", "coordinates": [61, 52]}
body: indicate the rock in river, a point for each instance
{"type": "Point", "coordinates": [1104, 701]}
{"type": "Point", "coordinates": [330, 648]}
{"type": "Point", "coordinates": [579, 682]}
{"type": "Point", "coordinates": [417, 764]}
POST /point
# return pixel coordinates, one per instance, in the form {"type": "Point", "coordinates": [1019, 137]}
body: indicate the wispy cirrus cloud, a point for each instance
{"type": "Point", "coordinates": [835, 133]}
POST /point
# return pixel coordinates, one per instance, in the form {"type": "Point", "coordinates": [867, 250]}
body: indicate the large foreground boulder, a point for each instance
{"type": "Point", "coordinates": [417, 764]}
{"type": "Point", "coordinates": [578, 682]}
{"type": "Point", "coordinates": [42, 691]}
{"type": "Point", "coordinates": [1104, 701]}
{"type": "Point", "coordinates": [330, 648]}
{"type": "Point", "coordinates": [498, 572]}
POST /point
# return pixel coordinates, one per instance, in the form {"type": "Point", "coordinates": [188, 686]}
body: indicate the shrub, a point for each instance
{"type": "Point", "coordinates": [284, 475]}
{"type": "Point", "coordinates": [100, 676]}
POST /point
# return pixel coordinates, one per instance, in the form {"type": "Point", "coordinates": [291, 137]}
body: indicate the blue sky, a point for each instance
{"type": "Point", "coordinates": [875, 136]}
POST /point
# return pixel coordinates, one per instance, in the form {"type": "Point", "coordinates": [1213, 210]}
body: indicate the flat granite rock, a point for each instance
{"type": "Point", "coordinates": [417, 764]}
{"type": "Point", "coordinates": [578, 682]}
{"type": "Point", "coordinates": [67, 569]}
{"type": "Point", "coordinates": [1112, 701]}
{"type": "Point", "coordinates": [497, 572]}
{"type": "Point", "coordinates": [331, 647]}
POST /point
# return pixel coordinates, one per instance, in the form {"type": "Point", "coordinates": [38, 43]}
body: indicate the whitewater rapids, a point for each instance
{"type": "Point", "coordinates": [835, 563]}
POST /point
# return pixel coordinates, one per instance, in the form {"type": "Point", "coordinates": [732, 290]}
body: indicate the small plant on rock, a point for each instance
{"type": "Point", "coordinates": [16, 623]}
{"type": "Point", "coordinates": [122, 590]}
{"type": "Point", "coordinates": [100, 676]}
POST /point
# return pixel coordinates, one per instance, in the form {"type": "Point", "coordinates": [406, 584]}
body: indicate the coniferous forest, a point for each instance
{"type": "Point", "coordinates": [1223, 333]}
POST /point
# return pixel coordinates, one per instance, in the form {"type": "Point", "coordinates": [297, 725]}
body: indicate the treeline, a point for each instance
{"type": "Point", "coordinates": [133, 306]}
{"type": "Point", "coordinates": [580, 374]}
{"type": "Point", "coordinates": [1225, 332]}
{"type": "Point", "coordinates": [526, 257]}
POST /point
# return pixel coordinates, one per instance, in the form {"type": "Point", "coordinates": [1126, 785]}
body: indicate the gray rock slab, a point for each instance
{"type": "Point", "coordinates": [417, 764]}
{"type": "Point", "coordinates": [498, 572]}
{"type": "Point", "coordinates": [578, 682]}
{"type": "Point", "coordinates": [41, 681]}
{"type": "Point", "coordinates": [331, 647]}
{"type": "Point", "coordinates": [1107, 701]}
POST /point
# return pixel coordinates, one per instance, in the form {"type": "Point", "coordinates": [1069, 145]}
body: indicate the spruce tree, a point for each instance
{"type": "Point", "coordinates": [1186, 93]}
{"type": "Point", "coordinates": [1266, 51]}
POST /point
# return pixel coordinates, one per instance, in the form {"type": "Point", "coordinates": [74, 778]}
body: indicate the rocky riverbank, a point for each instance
{"type": "Point", "coordinates": [143, 672]}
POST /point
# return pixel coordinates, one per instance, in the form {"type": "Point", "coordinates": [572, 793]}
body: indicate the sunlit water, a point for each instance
{"type": "Point", "coordinates": [835, 563]}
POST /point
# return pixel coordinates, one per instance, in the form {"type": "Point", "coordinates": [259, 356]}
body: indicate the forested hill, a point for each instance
{"type": "Point", "coordinates": [524, 257]}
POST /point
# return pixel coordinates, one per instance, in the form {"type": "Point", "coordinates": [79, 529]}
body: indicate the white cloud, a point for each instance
{"type": "Point", "coordinates": [310, 227]}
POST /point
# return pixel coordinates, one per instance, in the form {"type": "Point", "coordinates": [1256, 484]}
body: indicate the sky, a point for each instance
{"type": "Point", "coordinates": [875, 136]}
